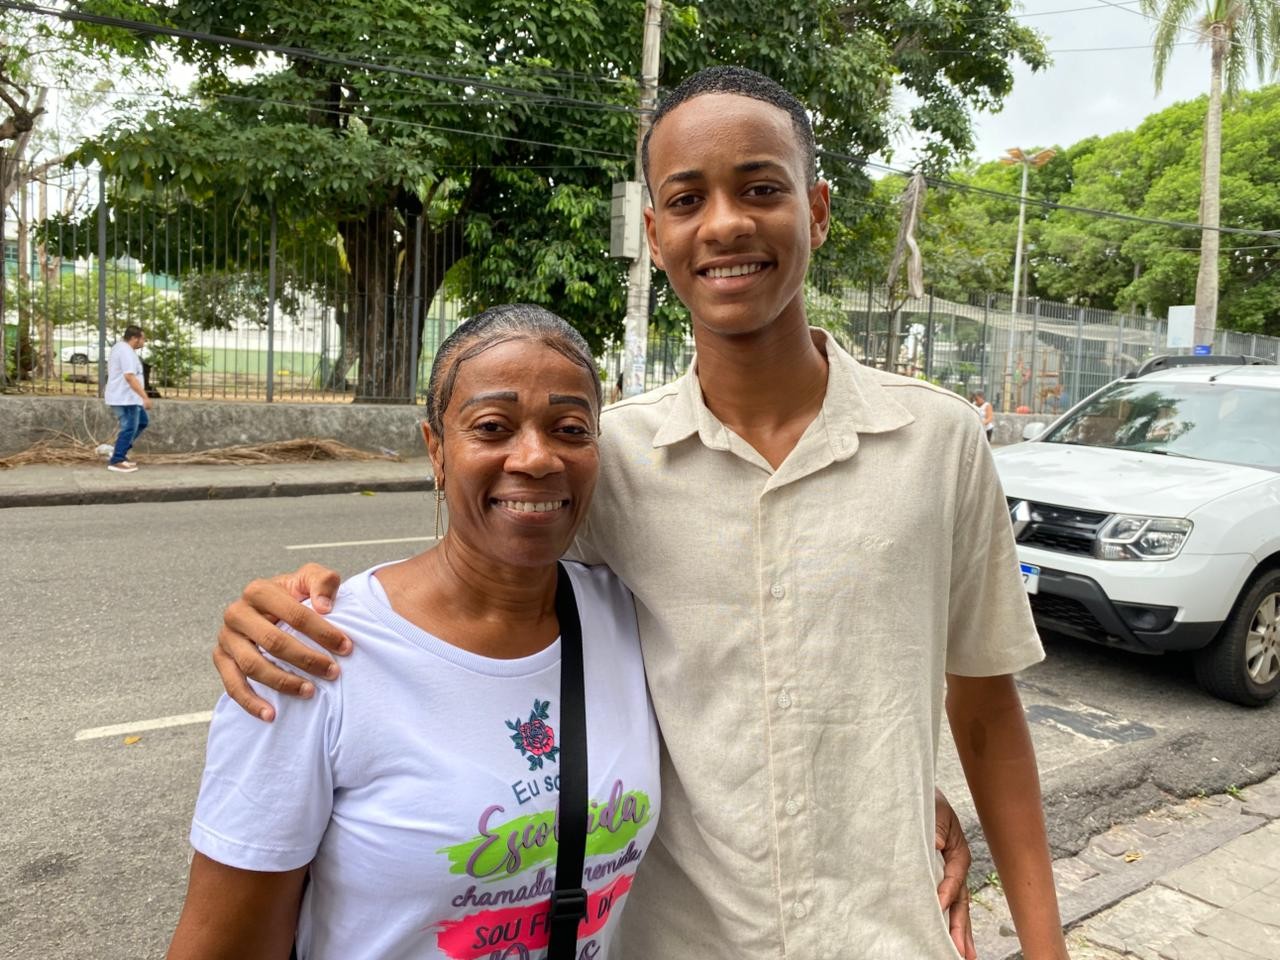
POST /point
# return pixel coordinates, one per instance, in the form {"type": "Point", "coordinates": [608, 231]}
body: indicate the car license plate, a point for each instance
{"type": "Point", "coordinates": [1030, 577]}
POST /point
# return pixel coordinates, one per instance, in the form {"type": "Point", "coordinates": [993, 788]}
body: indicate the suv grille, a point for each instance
{"type": "Point", "coordinates": [1066, 611]}
{"type": "Point", "coordinates": [1062, 529]}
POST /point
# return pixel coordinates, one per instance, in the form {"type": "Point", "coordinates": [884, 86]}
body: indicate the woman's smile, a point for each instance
{"type": "Point", "coordinates": [530, 506]}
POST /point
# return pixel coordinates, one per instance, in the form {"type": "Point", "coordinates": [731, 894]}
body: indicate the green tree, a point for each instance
{"type": "Point", "coordinates": [1086, 259]}
{"type": "Point", "coordinates": [38, 53]}
{"type": "Point", "coordinates": [968, 229]}
{"type": "Point", "coordinates": [1234, 31]}
{"type": "Point", "coordinates": [1154, 172]}
{"type": "Point", "coordinates": [495, 129]}
{"type": "Point", "coordinates": [70, 301]}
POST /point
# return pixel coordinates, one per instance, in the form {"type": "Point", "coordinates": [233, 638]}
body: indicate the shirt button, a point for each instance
{"type": "Point", "coordinates": [799, 910]}
{"type": "Point", "coordinates": [784, 700]}
{"type": "Point", "coordinates": [778, 591]}
{"type": "Point", "coordinates": [792, 806]}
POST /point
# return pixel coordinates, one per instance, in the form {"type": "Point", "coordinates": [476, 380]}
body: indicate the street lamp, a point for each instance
{"type": "Point", "coordinates": [1015, 155]}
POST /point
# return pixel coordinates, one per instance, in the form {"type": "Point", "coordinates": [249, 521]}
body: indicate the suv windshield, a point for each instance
{"type": "Point", "coordinates": [1206, 421]}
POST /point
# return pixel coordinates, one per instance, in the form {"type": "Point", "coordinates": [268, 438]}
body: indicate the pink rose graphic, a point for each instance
{"type": "Point", "coordinates": [538, 737]}
{"type": "Point", "coordinates": [533, 737]}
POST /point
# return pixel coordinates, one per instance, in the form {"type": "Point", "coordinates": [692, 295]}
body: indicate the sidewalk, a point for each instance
{"type": "Point", "coordinates": [1197, 880]}
{"type": "Point", "coordinates": [46, 486]}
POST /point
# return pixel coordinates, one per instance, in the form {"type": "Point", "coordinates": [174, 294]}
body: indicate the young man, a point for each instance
{"type": "Point", "coordinates": [127, 397]}
{"type": "Point", "coordinates": [818, 551]}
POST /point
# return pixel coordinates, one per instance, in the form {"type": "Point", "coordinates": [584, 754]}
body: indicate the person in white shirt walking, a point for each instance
{"type": "Point", "coordinates": [126, 396]}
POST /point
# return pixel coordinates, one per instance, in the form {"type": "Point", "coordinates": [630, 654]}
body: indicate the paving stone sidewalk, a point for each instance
{"type": "Point", "coordinates": [1198, 880]}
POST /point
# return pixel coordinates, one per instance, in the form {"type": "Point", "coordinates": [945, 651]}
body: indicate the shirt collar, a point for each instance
{"type": "Point", "coordinates": [855, 403]}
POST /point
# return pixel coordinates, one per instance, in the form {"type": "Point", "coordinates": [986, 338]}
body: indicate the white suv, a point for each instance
{"type": "Point", "coordinates": [1148, 518]}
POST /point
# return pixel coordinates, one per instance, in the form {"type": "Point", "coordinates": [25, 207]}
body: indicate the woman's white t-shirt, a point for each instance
{"type": "Point", "coordinates": [983, 409]}
{"type": "Point", "coordinates": [421, 786]}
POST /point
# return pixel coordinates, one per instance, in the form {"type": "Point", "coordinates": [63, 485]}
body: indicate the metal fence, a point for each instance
{"type": "Point", "coordinates": [1040, 358]}
{"type": "Point", "coordinates": [238, 302]}
{"type": "Point", "coordinates": [245, 303]}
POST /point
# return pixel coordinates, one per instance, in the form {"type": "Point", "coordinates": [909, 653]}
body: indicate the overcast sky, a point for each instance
{"type": "Point", "coordinates": [1084, 93]}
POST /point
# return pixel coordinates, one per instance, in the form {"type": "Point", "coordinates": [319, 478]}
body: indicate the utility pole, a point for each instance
{"type": "Point", "coordinates": [638, 276]}
{"type": "Point", "coordinates": [1012, 156]}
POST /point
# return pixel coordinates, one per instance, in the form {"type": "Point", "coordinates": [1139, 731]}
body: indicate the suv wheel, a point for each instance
{"type": "Point", "coordinates": [1243, 664]}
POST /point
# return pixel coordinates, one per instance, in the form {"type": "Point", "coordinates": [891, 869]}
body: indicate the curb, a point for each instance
{"type": "Point", "coordinates": [228, 491]}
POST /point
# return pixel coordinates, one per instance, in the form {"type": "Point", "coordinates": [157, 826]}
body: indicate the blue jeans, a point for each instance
{"type": "Point", "coordinates": [133, 420]}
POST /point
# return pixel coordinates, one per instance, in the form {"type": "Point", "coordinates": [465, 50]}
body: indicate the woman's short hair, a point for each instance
{"type": "Point", "coordinates": [503, 324]}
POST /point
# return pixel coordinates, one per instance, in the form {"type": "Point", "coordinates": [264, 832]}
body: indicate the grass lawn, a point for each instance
{"type": "Point", "coordinates": [226, 372]}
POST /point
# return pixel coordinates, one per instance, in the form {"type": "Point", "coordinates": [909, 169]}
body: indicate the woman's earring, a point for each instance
{"type": "Point", "coordinates": [439, 500]}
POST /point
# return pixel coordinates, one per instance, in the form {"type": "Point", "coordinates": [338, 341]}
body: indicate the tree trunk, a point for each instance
{"type": "Point", "coordinates": [384, 319]}
{"type": "Point", "coordinates": [335, 377]}
{"type": "Point", "coordinates": [371, 245]}
{"type": "Point", "coordinates": [1210, 188]}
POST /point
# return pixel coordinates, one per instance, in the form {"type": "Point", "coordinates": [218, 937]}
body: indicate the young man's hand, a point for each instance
{"type": "Point", "coordinates": [953, 891]}
{"type": "Point", "coordinates": [249, 626]}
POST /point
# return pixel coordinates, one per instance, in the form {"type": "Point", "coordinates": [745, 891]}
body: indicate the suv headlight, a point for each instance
{"type": "Point", "coordinates": [1142, 538]}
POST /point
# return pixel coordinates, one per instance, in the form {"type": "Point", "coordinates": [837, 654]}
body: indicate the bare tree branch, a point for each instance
{"type": "Point", "coordinates": [23, 120]}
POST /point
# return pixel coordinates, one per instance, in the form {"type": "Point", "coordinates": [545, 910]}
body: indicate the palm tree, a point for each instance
{"type": "Point", "coordinates": [1233, 30]}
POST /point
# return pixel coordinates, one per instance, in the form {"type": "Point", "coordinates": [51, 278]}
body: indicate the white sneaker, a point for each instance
{"type": "Point", "coordinates": [124, 466]}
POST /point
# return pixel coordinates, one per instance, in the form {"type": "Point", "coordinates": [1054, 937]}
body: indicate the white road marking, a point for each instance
{"type": "Point", "coordinates": [356, 543]}
{"type": "Point", "coordinates": [138, 726]}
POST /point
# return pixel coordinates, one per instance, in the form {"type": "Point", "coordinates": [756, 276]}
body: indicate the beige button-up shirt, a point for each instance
{"type": "Point", "coordinates": [797, 625]}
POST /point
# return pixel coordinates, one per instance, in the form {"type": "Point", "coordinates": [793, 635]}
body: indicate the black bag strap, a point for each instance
{"type": "Point", "coordinates": [569, 899]}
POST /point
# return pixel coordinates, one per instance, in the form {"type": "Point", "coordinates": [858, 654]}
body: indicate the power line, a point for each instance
{"type": "Point", "coordinates": [946, 184]}
{"type": "Point", "coordinates": [1138, 46]}
{"type": "Point", "coordinates": [1200, 34]}
{"type": "Point", "coordinates": [397, 121]}
{"type": "Point", "coordinates": [1041, 13]}
{"type": "Point", "coordinates": [302, 53]}
{"type": "Point", "coordinates": [357, 110]}
{"type": "Point", "coordinates": [934, 181]}
{"type": "Point", "coordinates": [420, 58]}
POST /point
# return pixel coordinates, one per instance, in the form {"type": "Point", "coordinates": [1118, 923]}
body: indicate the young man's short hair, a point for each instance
{"type": "Point", "coordinates": [744, 83]}
{"type": "Point", "coordinates": [131, 332]}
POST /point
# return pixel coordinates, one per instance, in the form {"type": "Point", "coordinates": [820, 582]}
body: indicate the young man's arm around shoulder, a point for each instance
{"type": "Point", "coordinates": [994, 745]}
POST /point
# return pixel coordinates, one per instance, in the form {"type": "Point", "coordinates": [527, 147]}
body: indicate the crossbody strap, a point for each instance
{"type": "Point", "coordinates": [569, 899]}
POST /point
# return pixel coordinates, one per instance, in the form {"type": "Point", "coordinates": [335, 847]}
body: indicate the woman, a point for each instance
{"type": "Point", "coordinates": [418, 793]}
{"type": "Point", "coordinates": [986, 411]}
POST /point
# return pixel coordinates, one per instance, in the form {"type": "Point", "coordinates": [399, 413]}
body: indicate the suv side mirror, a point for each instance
{"type": "Point", "coordinates": [1033, 430]}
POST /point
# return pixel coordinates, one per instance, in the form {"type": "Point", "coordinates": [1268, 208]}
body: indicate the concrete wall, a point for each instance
{"type": "Point", "coordinates": [183, 426]}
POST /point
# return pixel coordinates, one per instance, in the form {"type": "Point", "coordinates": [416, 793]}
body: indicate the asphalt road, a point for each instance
{"type": "Point", "coordinates": [107, 615]}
